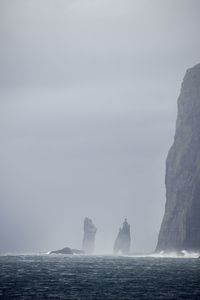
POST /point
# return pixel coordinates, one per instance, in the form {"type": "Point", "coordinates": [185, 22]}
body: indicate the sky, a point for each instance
{"type": "Point", "coordinates": [88, 99]}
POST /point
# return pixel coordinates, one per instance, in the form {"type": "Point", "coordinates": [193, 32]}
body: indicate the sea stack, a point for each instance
{"type": "Point", "coordinates": [180, 227]}
{"type": "Point", "coordinates": [123, 241]}
{"type": "Point", "coordinates": [89, 236]}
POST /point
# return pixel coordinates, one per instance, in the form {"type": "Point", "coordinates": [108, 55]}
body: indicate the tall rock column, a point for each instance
{"type": "Point", "coordinates": [180, 227]}
{"type": "Point", "coordinates": [123, 241]}
{"type": "Point", "coordinates": [89, 236]}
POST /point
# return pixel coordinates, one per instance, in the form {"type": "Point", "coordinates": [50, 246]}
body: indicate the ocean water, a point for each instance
{"type": "Point", "coordinates": [98, 277]}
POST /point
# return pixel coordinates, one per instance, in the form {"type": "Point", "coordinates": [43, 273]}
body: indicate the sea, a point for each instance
{"type": "Point", "coordinates": [99, 277]}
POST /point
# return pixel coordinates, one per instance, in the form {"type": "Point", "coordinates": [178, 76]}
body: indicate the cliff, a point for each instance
{"type": "Point", "coordinates": [180, 227]}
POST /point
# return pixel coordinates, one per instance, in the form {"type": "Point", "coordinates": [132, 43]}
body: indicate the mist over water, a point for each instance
{"type": "Point", "coordinates": [88, 93]}
{"type": "Point", "coordinates": [88, 103]}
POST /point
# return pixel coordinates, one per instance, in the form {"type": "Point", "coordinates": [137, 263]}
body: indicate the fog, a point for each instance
{"type": "Point", "coordinates": [88, 97]}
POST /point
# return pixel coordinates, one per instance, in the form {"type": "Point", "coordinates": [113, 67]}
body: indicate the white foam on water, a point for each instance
{"type": "Point", "coordinates": [163, 254]}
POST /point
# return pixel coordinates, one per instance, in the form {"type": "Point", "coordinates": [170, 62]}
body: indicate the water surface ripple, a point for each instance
{"type": "Point", "coordinates": [98, 277]}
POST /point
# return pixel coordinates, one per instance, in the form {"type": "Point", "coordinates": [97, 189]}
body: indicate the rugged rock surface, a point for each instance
{"type": "Point", "coordinates": [180, 228]}
{"type": "Point", "coordinates": [123, 241]}
{"type": "Point", "coordinates": [78, 251]}
{"type": "Point", "coordinates": [89, 236]}
{"type": "Point", "coordinates": [67, 250]}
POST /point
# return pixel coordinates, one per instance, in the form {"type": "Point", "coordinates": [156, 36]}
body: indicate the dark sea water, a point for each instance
{"type": "Point", "coordinates": [98, 277]}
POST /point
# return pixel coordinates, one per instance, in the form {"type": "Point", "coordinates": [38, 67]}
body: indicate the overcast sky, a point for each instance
{"type": "Point", "coordinates": [88, 96]}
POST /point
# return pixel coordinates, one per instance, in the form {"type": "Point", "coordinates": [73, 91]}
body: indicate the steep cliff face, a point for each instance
{"type": "Point", "coordinates": [180, 228]}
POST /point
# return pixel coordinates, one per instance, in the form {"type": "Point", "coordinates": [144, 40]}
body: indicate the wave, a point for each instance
{"type": "Point", "coordinates": [163, 254]}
